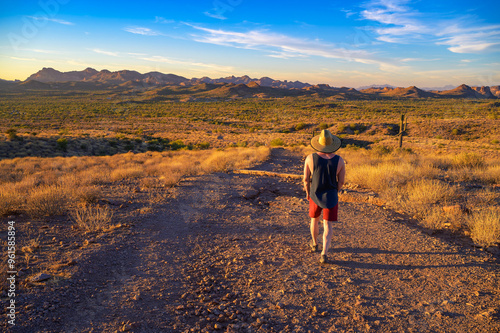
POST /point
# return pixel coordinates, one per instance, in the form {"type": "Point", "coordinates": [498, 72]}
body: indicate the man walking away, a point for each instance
{"type": "Point", "coordinates": [324, 176]}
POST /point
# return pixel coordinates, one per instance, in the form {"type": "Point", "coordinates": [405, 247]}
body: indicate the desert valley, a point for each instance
{"type": "Point", "coordinates": [157, 203]}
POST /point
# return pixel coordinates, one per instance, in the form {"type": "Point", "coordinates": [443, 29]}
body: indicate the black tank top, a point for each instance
{"type": "Point", "coordinates": [324, 185]}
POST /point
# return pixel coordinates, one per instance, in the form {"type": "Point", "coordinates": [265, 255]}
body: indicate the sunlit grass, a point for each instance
{"type": "Point", "coordinates": [485, 226]}
{"type": "Point", "coordinates": [43, 187]}
{"type": "Point", "coordinates": [423, 185]}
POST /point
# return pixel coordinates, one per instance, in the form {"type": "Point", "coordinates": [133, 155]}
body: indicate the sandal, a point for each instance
{"type": "Point", "coordinates": [314, 248]}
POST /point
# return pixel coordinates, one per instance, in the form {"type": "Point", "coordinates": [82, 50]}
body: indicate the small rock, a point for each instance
{"type": "Point", "coordinates": [40, 277]}
{"type": "Point", "coordinates": [494, 250]}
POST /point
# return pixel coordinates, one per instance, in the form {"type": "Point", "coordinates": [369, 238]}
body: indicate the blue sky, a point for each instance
{"type": "Point", "coordinates": [341, 43]}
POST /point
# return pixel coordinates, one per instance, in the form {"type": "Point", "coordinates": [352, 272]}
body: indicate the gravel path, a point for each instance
{"type": "Point", "coordinates": [228, 253]}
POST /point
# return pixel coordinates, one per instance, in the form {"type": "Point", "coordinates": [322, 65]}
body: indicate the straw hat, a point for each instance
{"type": "Point", "coordinates": [326, 142]}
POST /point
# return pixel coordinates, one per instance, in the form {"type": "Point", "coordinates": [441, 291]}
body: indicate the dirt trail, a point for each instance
{"type": "Point", "coordinates": [228, 252]}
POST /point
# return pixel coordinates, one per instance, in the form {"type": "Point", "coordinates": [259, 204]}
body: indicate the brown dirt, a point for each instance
{"type": "Point", "coordinates": [228, 252]}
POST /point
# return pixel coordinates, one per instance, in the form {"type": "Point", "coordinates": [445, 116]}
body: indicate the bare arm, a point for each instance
{"type": "Point", "coordinates": [341, 173]}
{"type": "Point", "coordinates": [307, 176]}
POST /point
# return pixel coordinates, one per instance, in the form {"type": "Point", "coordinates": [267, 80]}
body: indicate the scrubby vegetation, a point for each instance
{"type": "Point", "coordinates": [455, 192]}
{"type": "Point", "coordinates": [61, 148]}
{"type": "Point", "coordinates": [43, 187]}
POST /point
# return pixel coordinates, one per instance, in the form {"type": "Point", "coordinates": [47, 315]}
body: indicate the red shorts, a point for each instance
{"type": "Point", "coordinates": [329, 214]}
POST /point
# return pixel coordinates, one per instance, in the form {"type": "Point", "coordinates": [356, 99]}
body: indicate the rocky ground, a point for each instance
{"type": "Point", "coordinates": [228, 252]}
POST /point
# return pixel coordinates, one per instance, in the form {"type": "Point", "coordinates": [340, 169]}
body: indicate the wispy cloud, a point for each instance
{"type": "Point", "coordinates": [399, 23]}
{"type": "Point", "coordinates": [159, 19]}
{"type": "Point", "coordinates": [419, 59]}
{"type": "Point", "coordinates": [109, 53]}
{"type": "Point", "coordinates": [220, 68]}
{"type": "Point", "coordinates": [215, 16]}
{"type": "Point", "coordinates": [283, 46]}
{"type": "Point", "coordinates": [42, 51]}
{"type": "Point", "coordinates": [143, 31]}
{"type": "Point", "coordinates": [23, 59]}
{"type": "Point", "coordinates": [472, 40]}
{"type": "Point", "coordinates": [45, 18]}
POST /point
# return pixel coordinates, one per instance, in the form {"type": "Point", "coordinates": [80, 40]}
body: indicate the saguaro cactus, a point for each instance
{"type": "Point", "coordinates": [402, 129]}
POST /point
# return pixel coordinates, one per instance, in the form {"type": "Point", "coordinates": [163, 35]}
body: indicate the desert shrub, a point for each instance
{"type": "Point", "coordinates": [277, 142]}
{"type": "Point", "coordinates": [323, 126]}
{"type": "Point", "coordinates": [352, 146]}
{"type": "Point", "coordinates": [378, 177]}
{"type": "Point", "coordinates": [242, 144]}
{"type": "Point", "coordinates": [92, 217]}
{"type": "Point", "coordinates": [177, 144]}
{"type": "Point", "coordinates": [203, 145]}
{"type": "Point", "coordinates": [86, 194]}
{"type": "Point", "coordinates": [429, 191]}
{"type": "Point", "coordinates": [300, 126]}
{"type": "Point", "coordinates": [341, 128]}
{"type": "Point", "coordinates": [485, 226]}
{"type": "Point", "coordinates": [10, 199]}
{"type": "Point", "coordinates": [236, 158]}
{"type": "Point", "coordinates": [46, 201]}
{"type": "Point", "coordinates": [126, 173]}
{"type": "Point", "coordinates": [62, 144]}
{"type": "Point", "coordinates": [490, 175]}
{"type": "Point", "coordinates": [11, 133]}
{"type": "Point", "coordinates": [468, 160]}
{"type": "Point", "coordinates": [381, 150]}
{"type": "Point", "coordinates": [434, 219]}
{"type": "Point", "coordinates": [170, 179]}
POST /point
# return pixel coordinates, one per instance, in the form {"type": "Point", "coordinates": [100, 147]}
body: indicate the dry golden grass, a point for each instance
{"type": "Point", "coordinates": [485, 226]}
{"type": "Point", "coordinates": [423, 184]}
{"type": "Point", "coordinates": [421, 194]}
{"type": "Point", "coordinates": [46, 201]}
{"type": "Point", "coordinates": [51, 186]}
{"type": "Point", "coordinates": [92, 217]}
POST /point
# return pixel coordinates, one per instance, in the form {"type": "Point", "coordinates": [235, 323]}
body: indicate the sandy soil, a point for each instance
{"type": "Point", "coordinates": [228, 253]}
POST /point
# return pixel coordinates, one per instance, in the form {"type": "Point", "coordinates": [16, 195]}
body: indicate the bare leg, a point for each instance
{"type": "Point", "coordinates": [327, 236]}
{"type": "Point", "coordinates": [315, 229]}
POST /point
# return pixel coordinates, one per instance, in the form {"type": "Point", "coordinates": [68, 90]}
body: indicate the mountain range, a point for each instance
{"type": "Point", "coordinates": [159, 85]}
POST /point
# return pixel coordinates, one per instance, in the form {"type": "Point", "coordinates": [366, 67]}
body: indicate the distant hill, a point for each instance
{"type": "Point", "coordinates": [381, 86]}
{"type": "Point", "coordinates": [447, 87]}
{"type": "Point", "coordinates": [152, 78]}
{"type": "Point", "coordinates": [159, 86]}
{"type": "Point", "coordinates": [410, 92]}
{"type": "Point", "coordinates": [263, 82]}
{"type": "Point", "coordinates": [464, 91]}
{"type": "Point", "coordinates": [107, 77]}
{"type": "Point", "coordinates": [495, 90]}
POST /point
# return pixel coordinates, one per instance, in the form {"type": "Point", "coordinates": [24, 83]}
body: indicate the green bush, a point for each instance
{"type": "Point", "coordinates": [300, 126]}
{"type": "Point", "coordinates": [277, 142]}
{"type": "Point", "coordinates": [12, 133]}
{"type": "Point", "coordinates": [62, 144]}
{"type": "Point", "coordinates": [382, 150]}
{"type": "Point", "coordinates": [323, 126]}
{"type": "Point", "coordinates": [203, 145]}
